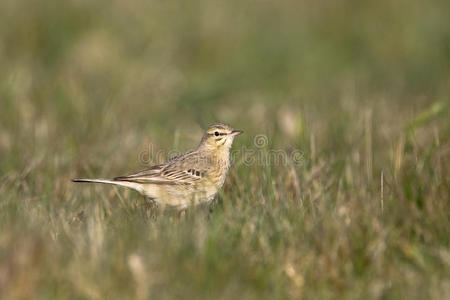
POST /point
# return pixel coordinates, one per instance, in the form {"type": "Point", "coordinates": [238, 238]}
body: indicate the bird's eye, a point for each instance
{"type": "Point", "coordinates": [216, 133]}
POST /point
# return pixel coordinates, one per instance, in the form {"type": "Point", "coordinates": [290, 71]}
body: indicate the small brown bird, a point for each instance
{"type": "Point", "coordinates": [188, 179]}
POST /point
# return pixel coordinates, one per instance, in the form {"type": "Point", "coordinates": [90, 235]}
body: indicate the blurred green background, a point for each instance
{"type": "Point", "coordinates": [361, 88]}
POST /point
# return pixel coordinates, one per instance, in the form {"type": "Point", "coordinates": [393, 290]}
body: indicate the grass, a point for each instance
{"type": "Point", "coordinates": [354, 94]}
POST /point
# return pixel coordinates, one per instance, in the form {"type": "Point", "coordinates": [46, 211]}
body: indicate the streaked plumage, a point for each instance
{"type": "Point", "coordinates": [191, 178]}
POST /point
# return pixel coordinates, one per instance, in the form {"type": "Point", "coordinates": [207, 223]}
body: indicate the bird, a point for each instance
{"type": "Point", "coordinates": [189, 179]}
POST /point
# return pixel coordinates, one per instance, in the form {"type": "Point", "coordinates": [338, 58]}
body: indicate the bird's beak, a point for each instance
{"type": "Point", "coordinates": [236, 132]}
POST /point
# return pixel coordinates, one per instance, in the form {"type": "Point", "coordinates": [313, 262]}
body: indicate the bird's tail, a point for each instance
{"type": "Point", "coordinates": [131, 185]}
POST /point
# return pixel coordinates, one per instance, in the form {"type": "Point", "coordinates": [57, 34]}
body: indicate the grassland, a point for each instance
{"type": "Point", "coordinates": [359, 91]}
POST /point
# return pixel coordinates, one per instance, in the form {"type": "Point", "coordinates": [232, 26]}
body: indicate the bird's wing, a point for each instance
{"type": "Point", "coordinates": [180, 170]}
{"type": "Point", "coordinates": [152, 173]}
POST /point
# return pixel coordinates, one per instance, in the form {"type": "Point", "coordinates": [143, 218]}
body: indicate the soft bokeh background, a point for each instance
{"type": "Point", "coordinates": [361, 88]}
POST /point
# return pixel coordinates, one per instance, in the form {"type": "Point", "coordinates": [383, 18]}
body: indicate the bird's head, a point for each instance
{"type": "Point", "coordinates": [219, 137]}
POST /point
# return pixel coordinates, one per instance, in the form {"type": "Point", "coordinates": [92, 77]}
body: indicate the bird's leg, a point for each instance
{"type": "Point", "coordinates": [182, 214]}
{"type": "Point", "coordinates": [152, 208]}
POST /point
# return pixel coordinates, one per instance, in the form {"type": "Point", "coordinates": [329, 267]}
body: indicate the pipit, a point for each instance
{"type": "Point", "coordinates": [188, 179]}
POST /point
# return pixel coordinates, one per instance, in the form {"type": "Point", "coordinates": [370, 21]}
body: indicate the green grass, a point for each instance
{"type": "Point", "coordinates": [360, 91]}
